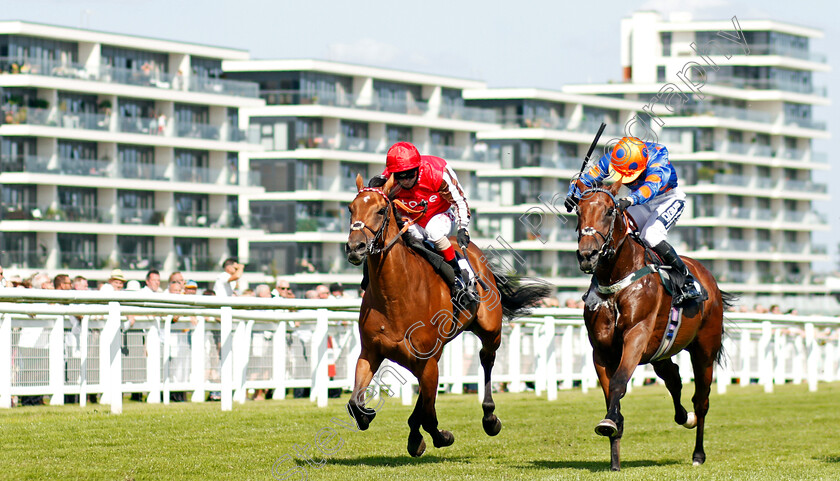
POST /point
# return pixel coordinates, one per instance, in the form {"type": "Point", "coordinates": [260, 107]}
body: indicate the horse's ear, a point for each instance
{"type": "Point", "coordinates": [614, 188]}
{"type": "Point", "coordinates": [388, 184]}
{"type": "Point", "coordinates": [359, 182]}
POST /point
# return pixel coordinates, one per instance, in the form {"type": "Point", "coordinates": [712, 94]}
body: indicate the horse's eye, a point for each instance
{"type": "Point", "coordinates": [611, 212]}
{"type": "Point", "coordinates": [383, 210]}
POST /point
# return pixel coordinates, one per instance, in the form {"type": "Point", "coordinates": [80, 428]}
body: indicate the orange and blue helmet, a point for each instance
{"type": "Point", "coordinates": [629, 158]}
{"type": "Point", "coordinates": [402, 156]}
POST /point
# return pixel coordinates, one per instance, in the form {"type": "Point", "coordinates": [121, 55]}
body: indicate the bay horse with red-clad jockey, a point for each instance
{"type": "Point", "coordinates": [629, 317]}
{"type": "Point", "coordinates": [407, 313]}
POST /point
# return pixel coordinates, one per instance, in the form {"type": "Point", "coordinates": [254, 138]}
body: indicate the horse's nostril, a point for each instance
{"type": "Point", "coordinates": [361, 246]}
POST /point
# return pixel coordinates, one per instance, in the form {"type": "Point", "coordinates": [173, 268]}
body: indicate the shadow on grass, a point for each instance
{"type": "Point", "coordinates": [828, 459]}
{"type": "Point", "coordinates": [395, 461]}
{"type": "Point", "coordinates": [595, 466]}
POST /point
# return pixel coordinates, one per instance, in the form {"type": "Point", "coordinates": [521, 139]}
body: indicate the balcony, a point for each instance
{"type": "Point", "coordinates": [786, 51]}
{"type": "Point", "coordinates": [22, 260]}
{"type": "Point", "coordinates": [16, 115]}
{"type": "Point", "coordinates": [768, 84]}
{"type": "Point", "coordinates": [764, 183]}
{"type": "Point", "coordinates": [197, 175]}
{"type": "Point", "coordinates": [804, 186]}
{"type": "Point", "coordinates": [72, 260]}
{"type": "Point", "coordinates": [134, 262]}
{"type": "Point", "coordinates": [805, 123]}
{"type": "Point", "coordinates": [727, 112]}
{"type": "Point", "coordinates": [321, 224]}
{"type": "Point", "coordinates": [73, 213]}
{"type": "Point", "coordinates": [473, 114]}
{"type": "Point", "coordinates": [519, 121]}
{"type": "Point", "coordinates": [358, 144]}
{"type": "Point", "coordinates": [197, 219]}
{"type": "Point", "coordinates": [105, 73]}
{"type": "Point", "coordinates": [137, 216]}
{"type": "Point", "coordinates": [198, 263]}
{"type": "Point", "coordinates": [313, 182]}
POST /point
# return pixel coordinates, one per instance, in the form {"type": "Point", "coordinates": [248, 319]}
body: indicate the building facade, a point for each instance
{"type": "Point", "coordinates": [733, 101]}
{"type": "Point", "coordinates": [119, 151]}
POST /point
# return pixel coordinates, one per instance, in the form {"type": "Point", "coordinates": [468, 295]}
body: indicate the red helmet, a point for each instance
{"type": "Point", "coordinates": [402, 156]}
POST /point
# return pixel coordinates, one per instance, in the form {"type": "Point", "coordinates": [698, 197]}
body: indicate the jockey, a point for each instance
{"type": "Point", "coordinates": [655, 201]}
{"type": "Point", "coordinates": [430, 179]}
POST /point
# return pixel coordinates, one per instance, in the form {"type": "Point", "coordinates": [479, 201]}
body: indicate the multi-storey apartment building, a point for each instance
{"type": "Point", "coordinates": [740, 130]}
{"type": "Point", "coordinates": [119, 151]}
{"type": "Point", "coordinates": [326, 122]}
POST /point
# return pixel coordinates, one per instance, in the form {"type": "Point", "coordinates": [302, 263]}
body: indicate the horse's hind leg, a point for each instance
{"type": "Point", "coordinates": [428, 379]}
{"type": "Point", "coordinates": [416, 445]}
{"type": "Point", "coordinates": [366, 366]}
{"type": "Point", "coordinates": [703, 363]}
{"type": "Point", "coordinates": [670, 373]}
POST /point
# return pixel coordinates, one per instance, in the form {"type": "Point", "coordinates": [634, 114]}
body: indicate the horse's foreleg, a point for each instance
{"type": "Point", "coordinates": [416, 445]}
{"type": "Point", "coordinates": [613, 425]}
{"type": "Point", "coordinates": [608, 427]}
{"type": "Point", "coordinates": [428, 379]}
{"type": "Point", "coordinates": [366, 366]}
{"type": "Point", "coordinates": [490, 343]}
{"type": "Point", "coordinates": [670, 373]}
{"type": "Point", "coordinates": [704, 367]}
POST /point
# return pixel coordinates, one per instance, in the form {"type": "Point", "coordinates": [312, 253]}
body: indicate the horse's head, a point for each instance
{"type": "Point", "coordinates": [597, 212]}
{"type": "Point", "coordinates": [368, 220]}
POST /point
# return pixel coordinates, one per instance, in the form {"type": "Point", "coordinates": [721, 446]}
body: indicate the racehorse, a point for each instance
{"type": "Point", "coordinates": [627, 311]}
{"type": "Point", "coordinates": [406, 314]}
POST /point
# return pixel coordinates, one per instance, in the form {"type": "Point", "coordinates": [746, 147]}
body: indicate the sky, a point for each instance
{"type": "Point", "coordinates": [522, 43]}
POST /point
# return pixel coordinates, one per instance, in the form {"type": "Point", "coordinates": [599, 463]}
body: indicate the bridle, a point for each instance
{"type": "Point", "coordinates": [373, 244]}
{"type": "Point", "coordinates": [606, 250]}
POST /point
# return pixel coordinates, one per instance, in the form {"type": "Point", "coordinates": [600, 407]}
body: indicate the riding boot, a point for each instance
{"type": "Point", "coordinates": [688, 291]}
{"type": "Point", "coordinates": [465, 296]}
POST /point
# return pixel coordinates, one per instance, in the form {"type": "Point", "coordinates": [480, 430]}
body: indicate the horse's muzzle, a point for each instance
{"type": "Point", "coordinates": [587, 260]}
{"type": "Point", "coordinates": [356, 253]}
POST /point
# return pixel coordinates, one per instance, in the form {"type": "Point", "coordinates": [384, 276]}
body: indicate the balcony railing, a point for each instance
{"type": "Point", "coordinates": [136, 262]}
{"type": "Point", "coordinates": [137, 216]}
{"type": "Point", "coordinates": [22, 260]}
{"type": "Point", "coordinates": [786, 51]}
{"type": "Point", "coordinates": [198, 175]}
{"type": "Point", "coordinates": [321, 224]}
{"type": "Point", "coordinates": [805, 123]}
{"type": "Point", "coordinates": [73, 213]}
{"type": "Point", "coordinates": [73, 260]}
{"type": "Point", "coordinates": [145, 78]}
{"type": "Point", "coordinates": [196, 219]}
{"type": "Point", "coordinates": [198, 131]}
{"type": "Point", "coordinates": [768, 84]}
{"type": "Point", "coordinates": [804, 186]}
{"type": "Point", "coordinates": [724, 111]}
{"type": "Point", "coordinates": [359, 144]}
{"type": "Point", "coordinates": [198, 263]}
{"type": "Point", "coordinates": [474, 114]}
{"type": "Point", "coordinates": [519, 121]}
{"type": "Point", "coordinates": [315, 182]}
{"type": "Point", "coordinates": [24, 163]}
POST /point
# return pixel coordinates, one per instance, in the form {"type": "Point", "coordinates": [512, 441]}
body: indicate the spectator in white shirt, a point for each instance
{"type": "Point", "coordinates": [226, 280]}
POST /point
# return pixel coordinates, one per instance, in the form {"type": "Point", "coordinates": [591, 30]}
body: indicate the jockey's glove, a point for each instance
{"type": "Point", "coordinates": [463, 237]}
{"type": "Point", "coordinates": [624, 203]}
{"type": "Point", "coordinates": [377, 181]}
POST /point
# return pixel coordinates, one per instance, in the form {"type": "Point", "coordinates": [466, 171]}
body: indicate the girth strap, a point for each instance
{"type": "Point", "coordinates": [613, 288]}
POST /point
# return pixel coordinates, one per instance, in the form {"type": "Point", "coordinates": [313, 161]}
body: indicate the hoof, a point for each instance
{"type": "Point", "coordinates": [362, 420]}
{"type": "Point", "coordinates": [691, 423]}
{"type": "Point", "coordinates": [416, 449]}
{"type": "Point", "coordinates": [492, 426]}
{"type": "Point", "coordinates": [606, 428]}
{"type": "Point", "coordinates": [699, 459]}
{"type": "Point", "coordinates": [447, 439]}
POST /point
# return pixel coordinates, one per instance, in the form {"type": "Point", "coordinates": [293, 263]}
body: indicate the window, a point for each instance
{"type": "Point", "coordinates": [665, 38]}
{"type": "Point", "coordinates": [73, 150]}
{"type": "Point", "coordinates": [19, 154]}
{"type": "Point", "coordinates": [36, 48]}
{"type": "Point", "coordinates": [20, 250]}
{"type": "Point", "coordinates": [137, 161]}
{"type": "Point", "coordinates": [273, 217]}
{"type": "Point", "coordinates": [349, 170]}
{"type": "Point", "coordinates": [136, 60]}
{"type": "Point", "coordinates": [192, 209]}
{"type": "Point", "coordinates": [442, 137]}
{"type": "Point", "coordinates": [193, 121]}
{"type": "Point", "coordinates": [396, 97]}
{"type": "Point", "coordinates": [357, 130]}
{"type": "Point", "coordinates": [398, 133]}
{"type": "Point", "coordinates": [206, 67]}
{"type": "Point", "coordinates": [191, 166]}
{"type": "Point", "coordinates": [137, 207]}
{"type": "Point", "coordinates": [309, 133]}
{"type": "Point", "coordinates": [193, 255]}
{"type": "Point", "coordinates": [19, 202]}
{"type": "Point", "coordinates": [78, 204]}
{"type": "Point", "coordinates": [79, 251]}
{"type": "Point", "coordinates": [137, 253]}
{"type": "Point", "coordinates": [660, 73]}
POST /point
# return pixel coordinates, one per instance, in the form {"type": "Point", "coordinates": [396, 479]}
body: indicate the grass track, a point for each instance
{"type": "Point", "coordinates": [791, 434]}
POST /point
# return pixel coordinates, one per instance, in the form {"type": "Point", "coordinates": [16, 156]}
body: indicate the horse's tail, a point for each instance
{"type": "Point", "coordinates": [728, 299]}
{"type": "Point", "coordinates": [519, 298]}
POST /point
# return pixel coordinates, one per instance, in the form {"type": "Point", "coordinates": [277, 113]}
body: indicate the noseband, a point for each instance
{"type": "Point", "coordinates": [373, 244]}
{"type": "Point", "coordinates": [606, 250]}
